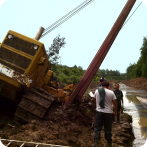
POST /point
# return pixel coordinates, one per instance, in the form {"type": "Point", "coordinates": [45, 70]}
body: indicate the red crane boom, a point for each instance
{"type": "Point", "coordinates": [101, 54]}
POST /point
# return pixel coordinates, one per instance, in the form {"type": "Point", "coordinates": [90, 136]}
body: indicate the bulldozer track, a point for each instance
{"type": "Point", "coordinates": [33, 105]}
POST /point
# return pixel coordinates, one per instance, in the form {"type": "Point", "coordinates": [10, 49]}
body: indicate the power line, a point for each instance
{"type": "Point", "coordinates": [86, 4]}
{"type": "Point", "coordinates": [65, 16]}
{"type": "Point", "coordinates": [131, 15]}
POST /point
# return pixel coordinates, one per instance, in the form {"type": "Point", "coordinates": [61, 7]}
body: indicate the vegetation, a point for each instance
{"type": "Point", "coordinates": [68, 75]}
{"type": "Point", "coordinates": [110, 75]}
{"type": "Point", "coordinates": [139, 69]}
{"type": "Point", "coordinates": [53, 51]}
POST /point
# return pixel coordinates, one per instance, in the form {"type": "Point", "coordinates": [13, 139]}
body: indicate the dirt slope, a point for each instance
{"type": "Point", "coordinates": [137, 83]}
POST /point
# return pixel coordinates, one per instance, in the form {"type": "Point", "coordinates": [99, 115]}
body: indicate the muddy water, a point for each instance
{"type": "Point", "coordinates": [138, 111]}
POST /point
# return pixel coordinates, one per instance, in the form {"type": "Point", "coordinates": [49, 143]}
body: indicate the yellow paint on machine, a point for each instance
{"type": "Point", "coordinates": [27, 58]}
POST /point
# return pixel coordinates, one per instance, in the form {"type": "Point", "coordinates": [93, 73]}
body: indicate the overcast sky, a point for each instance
{"type": "Point", "coordinates": [84, 32]}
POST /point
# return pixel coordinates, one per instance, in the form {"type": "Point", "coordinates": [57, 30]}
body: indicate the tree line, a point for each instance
{"type": "Point", "coordinates": [139, 69]}
{"type": "Point", "coordinates": [68, 75]}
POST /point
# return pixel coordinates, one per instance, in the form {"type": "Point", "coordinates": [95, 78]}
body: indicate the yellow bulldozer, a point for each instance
{"type": "Point", "coordinates": [26, 77]}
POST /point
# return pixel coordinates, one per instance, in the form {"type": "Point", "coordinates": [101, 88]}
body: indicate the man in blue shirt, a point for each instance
{"type": "Point", "coordinates": [102, 79]}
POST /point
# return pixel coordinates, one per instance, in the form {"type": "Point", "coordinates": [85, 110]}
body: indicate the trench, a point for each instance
{"type": "Point", "coordinates": [138, 111]}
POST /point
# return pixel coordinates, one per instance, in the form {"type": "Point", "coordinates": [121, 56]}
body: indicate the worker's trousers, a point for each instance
{"type": "Point", "coordinates": [103, 119]}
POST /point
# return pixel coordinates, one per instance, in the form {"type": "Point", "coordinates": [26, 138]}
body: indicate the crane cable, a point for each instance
{"type": "Point", "coordinates": [63, 20]}
{"type": "Point", "coordinates": [131, 15]}
{"type": "Point", "coordinates": [65, 16]}
{"type": "Point", "coordinates": [86, 4]}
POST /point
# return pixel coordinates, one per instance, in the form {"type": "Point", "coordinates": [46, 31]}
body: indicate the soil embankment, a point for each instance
{"type": "Point", "coordinates": [71, 127]}
{"type": "Point", "coordinates": [137, 83]}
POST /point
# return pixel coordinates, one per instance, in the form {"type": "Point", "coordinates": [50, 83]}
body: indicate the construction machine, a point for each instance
{"type": "Point", "coordinates": [26, 77]}
{"type": "Point", "coordinates": [25, 66]}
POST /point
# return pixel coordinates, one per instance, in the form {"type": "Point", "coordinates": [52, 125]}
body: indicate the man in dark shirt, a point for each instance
{"type": "Point", "coordinates": [119, 98]}
{"type": "Point", "coordinates": [102, 79]}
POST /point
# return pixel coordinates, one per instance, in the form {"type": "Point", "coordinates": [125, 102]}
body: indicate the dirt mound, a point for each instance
{"type": "Point", "coordinates": [71, 127]}
{"type": "Point", "coordinates": [61, 126]}
{"type": "Point", "coordinates": [137, 83]}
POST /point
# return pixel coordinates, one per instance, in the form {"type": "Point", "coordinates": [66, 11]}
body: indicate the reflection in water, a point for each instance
{"type": "Point", "coordinates": [138, 111]}
{"type": "Point", "coordinates": [132, 98]}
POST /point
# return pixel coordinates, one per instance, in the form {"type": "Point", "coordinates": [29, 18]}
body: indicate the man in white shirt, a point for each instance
{"type": "Point", "coordinates": [104, 99]}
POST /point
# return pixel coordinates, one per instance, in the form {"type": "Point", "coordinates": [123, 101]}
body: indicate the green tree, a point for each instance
{"type": "Point", "coordinates": [66, 71]}
{"type": "Point", "coordinates": [144, 69]}
{"type": "Point", "coordinates": [53, 51]}
{"type": "Point", "coordinates": [75, 66]}
{"type": "Point", "coordinates": [144, 57]}
{"type": "Point", "coordinates": [140, 68]}
{"type": "Point", "coordinates": [130, 71]}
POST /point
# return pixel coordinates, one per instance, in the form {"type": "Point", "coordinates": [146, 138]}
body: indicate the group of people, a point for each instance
{"type": "Point", "coordinates": [108, 106]}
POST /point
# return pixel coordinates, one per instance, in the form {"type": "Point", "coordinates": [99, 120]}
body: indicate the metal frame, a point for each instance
{"type": "Point", "coordinates": [29, 144]}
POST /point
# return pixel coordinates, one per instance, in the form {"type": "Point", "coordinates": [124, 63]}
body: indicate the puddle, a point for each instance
{"type": "Point", "coordinates": [138, 111]}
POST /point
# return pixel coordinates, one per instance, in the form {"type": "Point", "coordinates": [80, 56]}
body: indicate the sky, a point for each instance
{"type": "Point", "coordinates": [84, 32]}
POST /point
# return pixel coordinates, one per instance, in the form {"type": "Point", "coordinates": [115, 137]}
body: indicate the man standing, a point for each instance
{"type": "Point", "coordinates": [102, 79]}
{"type": "Point", "coordinates": [104, 99]}
{"type": "Point", "coordinates": [100, 82]}
{"type": "Point", "coordinates": [119, 97]}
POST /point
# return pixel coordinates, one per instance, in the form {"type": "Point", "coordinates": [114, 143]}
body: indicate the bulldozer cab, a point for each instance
{"type": "Point", "coordinates": [26, 56]}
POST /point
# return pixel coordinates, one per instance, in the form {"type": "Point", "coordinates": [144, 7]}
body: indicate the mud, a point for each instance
{"type": "Point", "coordinates": [72, 126]}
